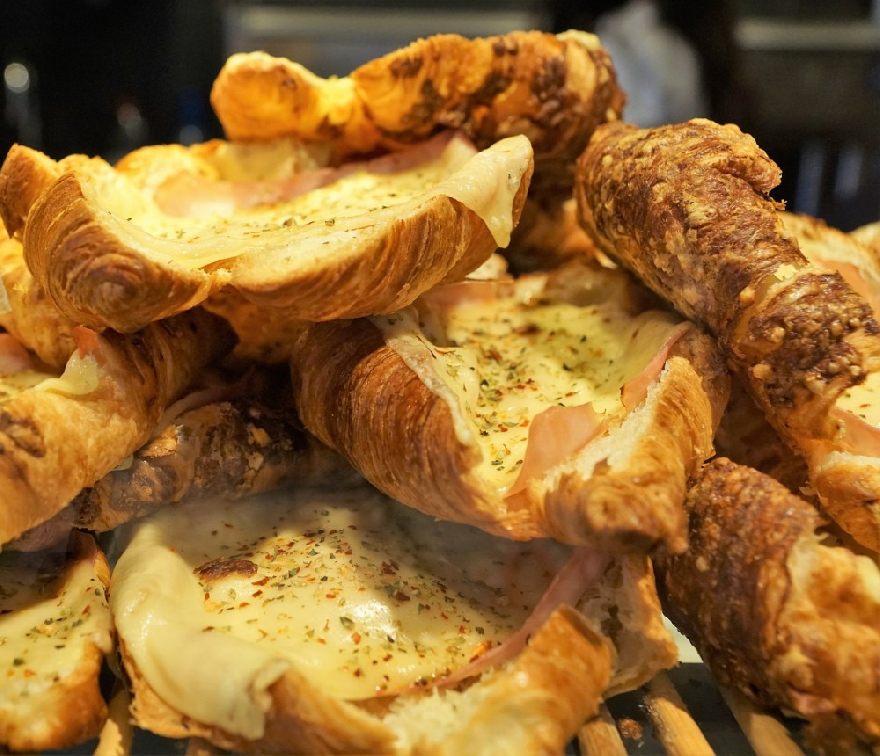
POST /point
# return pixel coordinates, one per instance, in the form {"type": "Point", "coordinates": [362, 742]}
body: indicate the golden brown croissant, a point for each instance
{"type": "Point", "coordinates": [775, 612]}
{"type": "Point", "coordinates": [685, 207]}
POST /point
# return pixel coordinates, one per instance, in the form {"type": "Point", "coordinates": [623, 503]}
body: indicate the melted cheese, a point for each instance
{"type": "Point", "coordinates": [46, 623]}
{"type": "Point", "coordinates": [199, 242]}
{"type": "Point", "coordinates": [863, 401]}
{"type": "Point", "coordinates": [15, 383]}
{"type": "Point", "coordinates": [363, 595]}
{"type": "Point", "coordinates": [81, 376]}
{"type": "Point", "coordinates": [502, 362]}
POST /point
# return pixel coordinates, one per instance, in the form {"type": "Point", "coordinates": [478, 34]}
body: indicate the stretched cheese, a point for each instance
{"type": "Point", "coordinates": [372, 597]}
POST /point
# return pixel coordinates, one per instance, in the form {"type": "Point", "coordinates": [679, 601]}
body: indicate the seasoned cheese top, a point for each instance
{"type": "Point", "coordinates": [506, 360]}
{"type": "Point", "coordinates": [863, 400]}
{"type": "Point", "coordinates": [46, 622]}
{"type": "Point", "coordinates": [366, 597]}
{"type": "Point", "coordinates": [485, 182]}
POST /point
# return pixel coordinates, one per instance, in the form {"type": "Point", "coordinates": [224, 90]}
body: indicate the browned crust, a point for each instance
{"type": "Point", "coordinates": [635, 503]}
{"type": "Point", "coordinates": [807, 642]}
{"type": "Point", "coordinates": [73, 710]}
{"type": "Point", "coordinates": [544, 694]}
{"type": "Point", "coordinates": [98, 278]}
{"type": "Point", "coordinates": [358, 396]}
{"type": "Point", "coordinates": [231, 449]}
{"type": "Point", "coordinates": [552, 89]}
{"type": "Point", "coordinates": [746, 438]}
{"type": "Point", "coordinates": [685, 208]}
{"type": "Point", "coordinates": [549, 236]}
{"type": "Point", "coordinates": [53, 444]}
{"type": "Point", "coordinates": [94, 277]}
{"type": "Point", "coordinates": [24, 176]}
{"type": "Point", "coordinates": [32, 317]}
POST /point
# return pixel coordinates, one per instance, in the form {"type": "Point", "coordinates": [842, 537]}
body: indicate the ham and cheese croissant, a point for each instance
{"type": "Point", "coordinates": [553, 89]}
{"type": "Point", "coordinates": [554, 405]}
{"type": "Point", "coordinates": [113, 250]}
{"type": "Point", "coordinates": [61, 433]}
{"type": "Point", "coordinates": [685, 207]}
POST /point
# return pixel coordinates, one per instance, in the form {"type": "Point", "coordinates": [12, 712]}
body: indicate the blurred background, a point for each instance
{"type": "Point", "coordinates": [803, 76]}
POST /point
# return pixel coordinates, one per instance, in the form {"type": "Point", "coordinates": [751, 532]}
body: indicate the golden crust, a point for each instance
{"type": "Point", "coordinates": [31, 316]}
{"type": "Point", "coordinates": [625, 607]}
{"type": "Point", "coordinates": [24, 176]}
{"type": "Point", "coordinates": [54, 443]}
{"type": "Point", "coordinates": [103, 270]}
{"type": "Point", "coordinates": [231, 449]}
{"type": "Point", "coordinates": [535, 703]}
{"type": "Point", "coordinates": [553, 89]}
{"type": "Point", "coordinates": [788, 621]}
{"type": "Point", "coordinates": [745, 437]}
{"type": "Point", "coordinates": [685, 207]}
{"type": "Point", "coordinates": [869, 236]}
{"type": "Point", "coordinates": [72, 710]}
{"type": "Point", "coordinates": [357, 395]}
{"type": "Point", "coordinates": [549, 236]}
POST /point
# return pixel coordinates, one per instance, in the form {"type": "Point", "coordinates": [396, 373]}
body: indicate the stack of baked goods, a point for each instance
{"type": "Point", "coordinates": [369, 491]}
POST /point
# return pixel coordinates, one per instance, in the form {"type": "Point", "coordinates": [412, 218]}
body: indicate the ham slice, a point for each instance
{"type": "Point", "coordinates": [187, 195]}
{"type": "Point", "coordinates": [635, 390]}
{"type": "Point", "coordinates": [554, 435]}
{"type": "Point", "coordinates": [577, 575]}
{"type": "Point", "coordinates": [13, 356]}
{"type": "Point", "coordinates": [86, 341]}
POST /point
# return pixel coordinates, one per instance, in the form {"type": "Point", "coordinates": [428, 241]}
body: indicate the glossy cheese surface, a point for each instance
{"type": "Point", "coordinates": [197, 242]}
{"type": "Point", "coordinates": [863, 400]}
{"type": "Point", "coordinates": [50, 613]}
{"type": "Point", "coordinates": [506, 360]}
{"type": "Point", "coordinates": [361, 594]}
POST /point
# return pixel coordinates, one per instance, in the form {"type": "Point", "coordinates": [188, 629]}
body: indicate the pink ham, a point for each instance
{"type": "Point", "coordinates": [193, 196]}
{"type": "Point", "coordinates": [554, 435]}
{"type": "Point", "coordinates": [635, 390]}
{"type": "Point", "coordinates": [577, 575]}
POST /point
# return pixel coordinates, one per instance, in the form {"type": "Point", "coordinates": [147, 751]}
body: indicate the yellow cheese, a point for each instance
{"type": "Point", "coordinates": [502, 362]}
{"type": "Point", "coordinates": [199, 242]}
{"type": "Point", "coordinates": [15, 383]}
{"type": "Point", "coordinates": [81, 376]}
{"type": "Point", "coordinates": [864, 400]}
{"type": "Point", "coordinates": [363, 595]}
{"type": "Point", "coordinates": [46, 624]}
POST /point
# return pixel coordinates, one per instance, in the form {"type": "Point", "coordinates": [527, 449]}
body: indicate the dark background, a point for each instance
{"type": "Point", "coordinates": [105, 76]}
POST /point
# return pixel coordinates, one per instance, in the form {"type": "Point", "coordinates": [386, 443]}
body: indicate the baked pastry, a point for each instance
{"type": "Point", "coordinates": [549, 406]}
{"type": "Point", "coordinates": [322, 621]}
{"type": "Point", "coordinates": [231, 448]}
{"type": "Point", "coordinates": [869, 235]}
{"type": "Point", "coordinates": [775, 610]}
{"type": "Point", "coordinates": [331, 583]}
{"type": "Point", "coordinates": [28, 314]}
{"type": "Point", "coordinates": [369, 239]}
{"type": "Point", "coordinates": [685, 208]}
{"type": "Point", "coordinates": [55, 628]}
{"type": "Point", "coordinates": [746, 438]}
{"type": "Point", "coordinates": [61, 433]}
{"type": "Point", "coordinates": [832, 249]}
{"type": "Point", "coordinates": [553, 89]}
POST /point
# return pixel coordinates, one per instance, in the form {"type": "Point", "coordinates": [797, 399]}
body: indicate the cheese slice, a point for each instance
{"type": "Point", "coordinates": [863, 400]}
{"type": "Point", "coordinates": [214, 601]}
{"type": "Point", "coordinates": [50, 613]}
{"type": "Point", "coordinates": [197, 242]}
{"type": "Point", "coordinates": [503, 360]}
